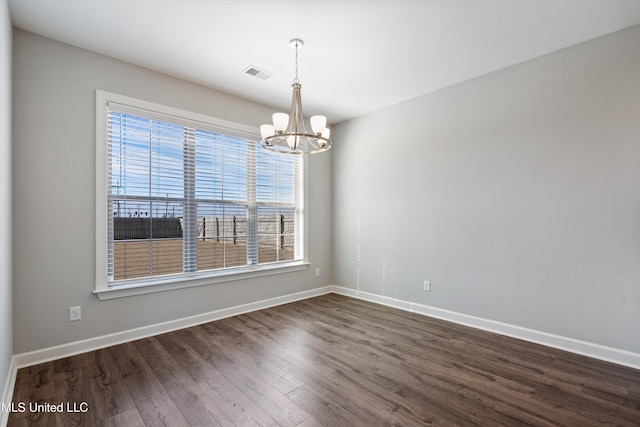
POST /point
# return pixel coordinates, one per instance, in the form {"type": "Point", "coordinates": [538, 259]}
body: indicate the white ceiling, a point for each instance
{"type": "Point", "coordinates": [359, 56]}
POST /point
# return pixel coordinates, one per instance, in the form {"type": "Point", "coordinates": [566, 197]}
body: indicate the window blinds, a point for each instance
{"type": "Point", "coordinates": [185, 197]}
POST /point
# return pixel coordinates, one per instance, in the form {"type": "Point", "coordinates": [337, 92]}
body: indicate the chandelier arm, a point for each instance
{"type": "Point", "coordinates": [296, 116]}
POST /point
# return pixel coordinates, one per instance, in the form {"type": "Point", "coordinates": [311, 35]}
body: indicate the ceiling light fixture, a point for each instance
{"type": "Point", "coordinates": [288, 133]}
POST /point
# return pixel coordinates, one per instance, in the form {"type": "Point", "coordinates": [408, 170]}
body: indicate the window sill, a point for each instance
{"type": "Point", "coordinates": [167, 284]}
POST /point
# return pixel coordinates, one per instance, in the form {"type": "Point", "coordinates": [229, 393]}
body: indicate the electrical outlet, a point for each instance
{"type": "Point", "coordinates": [317, 272]}
{"type": "Point", "coordinates": [75, 313]}
{"type": "Point", "coordinates": [427, 286]}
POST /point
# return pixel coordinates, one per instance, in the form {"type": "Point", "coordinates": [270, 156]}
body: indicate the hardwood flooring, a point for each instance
{"type": "Point", "coordinates": [329, 361]}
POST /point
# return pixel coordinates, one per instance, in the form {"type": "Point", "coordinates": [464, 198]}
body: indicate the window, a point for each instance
{"type": "Point", "coordinates": [184, 197]}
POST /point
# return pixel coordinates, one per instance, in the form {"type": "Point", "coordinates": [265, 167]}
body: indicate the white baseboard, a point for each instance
{"type": "Point", "coordinates": [597, 351]}
{"type": "Point", "coordinates": [609, 354]}
{"type": "Point", "coordinates": [64, 350]}
{"type": "Point", "coordinates": [7, 391]}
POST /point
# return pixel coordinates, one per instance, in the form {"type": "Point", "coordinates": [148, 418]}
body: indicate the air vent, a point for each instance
{"type": "Point", "coordinates": [257, 72]}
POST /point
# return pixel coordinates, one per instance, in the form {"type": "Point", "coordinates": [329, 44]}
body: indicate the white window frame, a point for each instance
{"type": "Point", "coordinates": [163, 283]}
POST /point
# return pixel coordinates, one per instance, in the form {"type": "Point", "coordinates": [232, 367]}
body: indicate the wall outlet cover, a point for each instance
{"type": "Point", "coordinates": [75, 313]}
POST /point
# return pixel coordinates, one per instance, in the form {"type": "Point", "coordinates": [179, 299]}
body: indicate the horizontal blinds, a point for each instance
{"type": "Point", "coordinates": [276, 178]}
{"type": "Point", "coordinates": [194, 121]}
{"type": "Point", "coordinates": [147, 157]}
{"type": "Point", "coordinates": [186, 198]}
{"type": "Point", "coordinates": [221, 165]}
{"type": "Point", "coordinates": [150, 157]}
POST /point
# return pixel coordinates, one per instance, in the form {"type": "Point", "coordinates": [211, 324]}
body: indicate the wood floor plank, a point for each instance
{"type": "Point", "coordinates": [275, 404]}
{"type": "Point", "coordinates": [193, 402]}
{"type": "Point", "coordinates": [35, 385]}
{"type": "Point", "coordinates": [130, 418]}
{"type": "Point", "coordinates": [244, 374]}
{"type": "Point", "coordinates": [251, 359]}
{"type": "Point", "coordinates": [105, 382]}
{"type": "Point", "coordinates": [323, 407]}
{"type": "Point", "coordinates": [198, 369]}
{"type": "Point", "coordinates": [159, 409]}
{"type": "Point", "coordinates": [323, 377]}
{"type": "Point", "coordinates": [136, 374]}
{"type": "Point", "coordinates": [239, 408]}
{"type": "Point", "coordinates": [330, 361]}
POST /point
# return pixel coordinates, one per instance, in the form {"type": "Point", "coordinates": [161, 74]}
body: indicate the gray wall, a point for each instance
{"type": "Point", "coordinates": [517, 194]}
{"type": "Point", "coordinates": [53, 201]}
{"type": "Point", "coordinates": [6, 330]}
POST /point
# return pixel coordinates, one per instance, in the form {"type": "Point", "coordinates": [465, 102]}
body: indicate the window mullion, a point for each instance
{"type": "Point", "coordinates": [252, 214]}
{"type": "Point", "coordinates": [300, 226]}
{"type": "Point", "coordinates": [190, 210]}
{"type": "Point", "coordinates": [150, 182]}
{"type": "Point", "coordinates": [110, 131]}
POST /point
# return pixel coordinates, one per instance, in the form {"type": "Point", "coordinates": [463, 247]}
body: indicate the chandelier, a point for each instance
{"type": "Point", "coordinates": [288, 133]}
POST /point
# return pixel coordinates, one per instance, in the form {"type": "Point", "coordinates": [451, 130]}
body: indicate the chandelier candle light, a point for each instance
{"type": "Point", "coordinates": [288, 133]}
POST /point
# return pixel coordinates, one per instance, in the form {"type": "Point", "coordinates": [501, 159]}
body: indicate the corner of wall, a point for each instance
{"type": "Point", "coordinates": [7, 391]}
{"type": "Point", "coordinates": [7, 367]}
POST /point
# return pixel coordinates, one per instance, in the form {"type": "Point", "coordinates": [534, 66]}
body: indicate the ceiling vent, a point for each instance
{"type": "Point", "coordinates": [257, 72]}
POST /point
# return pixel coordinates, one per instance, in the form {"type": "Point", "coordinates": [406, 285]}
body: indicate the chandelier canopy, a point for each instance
{"type": "Point", "coordinates": [288, 133]}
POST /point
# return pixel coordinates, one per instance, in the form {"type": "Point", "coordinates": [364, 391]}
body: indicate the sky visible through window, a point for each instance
{"type": "Point", "coordinates": [149, 159]}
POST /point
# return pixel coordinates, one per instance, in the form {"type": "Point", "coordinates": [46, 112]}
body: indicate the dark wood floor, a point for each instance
{"type": "Point", "coordinates": [330, 361]}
